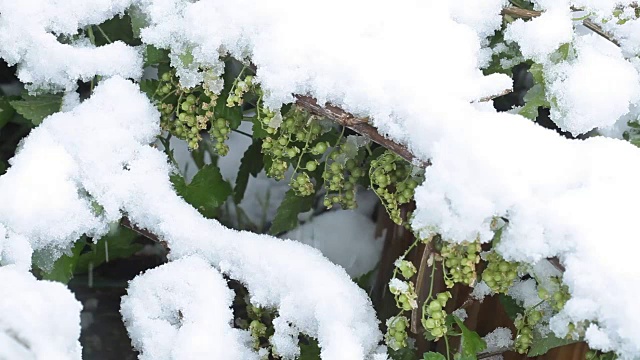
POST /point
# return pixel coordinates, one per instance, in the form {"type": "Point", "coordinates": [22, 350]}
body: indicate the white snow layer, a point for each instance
{"type": "Point", "coordinates": [38, 319]}
{"type": "Point", "coordinates": [311, 294]}
{"type": "Point", "coordinates": [181, 310]}
{"type": "Point", "coordinates": [562, 197]}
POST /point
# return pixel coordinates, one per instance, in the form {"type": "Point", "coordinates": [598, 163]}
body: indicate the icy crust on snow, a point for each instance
{"type": "Point", "coordinates": [125, 175]}
{"type": "Point", "coordinates": [181, 310]}
{"type": "Point", "coordinates": [38, 319]}
{"type": "Point", "coordinates": [28, 30]}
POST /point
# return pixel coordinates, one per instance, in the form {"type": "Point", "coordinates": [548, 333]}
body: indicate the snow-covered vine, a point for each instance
{"type": "Point", "coordinates": [563, 198]}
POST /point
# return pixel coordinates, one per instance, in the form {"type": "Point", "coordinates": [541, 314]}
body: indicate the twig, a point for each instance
{"type": "Point", "coordinates": [359, 125]}
{"type": "Point", "coordinates": [528, 14]}
{"type": "Point", "coordinates": [144, 232]}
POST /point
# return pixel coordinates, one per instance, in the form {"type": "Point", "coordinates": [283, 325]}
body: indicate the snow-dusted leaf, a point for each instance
{"type": "Point", "coordinates": [541, 345]}
{"type": "Point", "coordinates": [471, 342]}
{"type": "Point", "coordinates": [251, 164]}
{"type": "Point", "coordinates": [37, 107]}
{"type": "Point", "coordinates": [207, 190]}
{"type": "Point", "coordinates": [287, 214]}
{"type": "Point", "coordinates": [64, 267]}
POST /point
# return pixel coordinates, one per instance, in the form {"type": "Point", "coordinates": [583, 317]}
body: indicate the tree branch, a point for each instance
{"type": "Point", "coordinates": [143, 232]}
{"type": "Point", "coordinates": [528, 14]}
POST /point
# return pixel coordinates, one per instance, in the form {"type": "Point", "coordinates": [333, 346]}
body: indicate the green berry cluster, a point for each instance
{"type": "Point", "coordinates": [239, 88]}
{"type": "Point", "coordinates": [559, 298]}
{"type": "Point", "coordinates": [186, 112]}
{"type": "Point", "coordinates": [599, 355]}
{"type": "Point", "coordinates": [258, 327]}
{"type": "Point", "coordinates": [406, 267]}
{"type": "Point", "coordinates": [433, 315]}
{"type": "Point", "coordinates": [396, 335]}
{"type": "Point", "coordinates": [404, 293]}
{"type": "Point", "coordinates": [288, 141]}
{"type": "Point", "coordinates": [341, 175]}
{"type": "Point", "coordinates": [460, 262]}
{"type": "Point", "coordinates": [500, 273]}
{"type": "Point", "coordinates": [220, 131]}
{"type": "Point", "coordinates": [392, 181]}
{"type": "Point", "coordinates": [524, 325]}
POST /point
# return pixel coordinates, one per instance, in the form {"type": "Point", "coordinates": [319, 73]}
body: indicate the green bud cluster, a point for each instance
{"type": "Point", "coordinates": [220, 131]}
{"type": "Point", "coordinates": [500, 273]}
{"type": "Point", "coordinates": [599, 355]}
{"type": "Point", "coordinates": [404, 293]}
{"type": "Point", "coordinates": [396, 335]}
{"type": "Point", "coordinates": [460, 262]}
{"type": "Point", "coordinates": [433, 315]}
{"type": "Point", "coordinates": [239, 88]}
{"type": "Point", "coordinates": [288, 141]}
{"type": "Point", "coordinates": [558, 299]}
{"type": "Point", "coordinates": [524, 325]}
{"type": "Point", "coordinates": [392, 181]}
{"type": "Point", "coordinates": [186, 112]}
{"type": "Point", "coordinates": [341, 176]}
{"type": "Point", "coordinates": [406, 267]}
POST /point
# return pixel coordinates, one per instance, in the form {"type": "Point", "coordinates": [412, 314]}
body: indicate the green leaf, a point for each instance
{"type": "Point", "coordinates": [36, 108]}
{"type": "Point", "coordinates": [6, 111]}
{"type": "Point", "coordinates": [471, 343]}
{"type": "Point", "coordinates": [541, 346]}
{"type": "Point", "coordinates": [149, 87]}
{"type": "Point", "coordinates": [221, 110]}
{"type": "Point", "coordinates": [534, 99]}
{"type": "Point", "coordinates": [155, 56]}
{"type": "Point", "coordinates": [258, 131]}
{"type": "Point", "coordinates": [138, 20]}
{"type": "Point", "coordinates": [251, 164]}
{"type": "Point", "coordinates": [116, 245]}
{"type": "Point", "coordinates": [310, 351]}
{"type": "Point", "coordinates": [118, 28]}
{"type": "Point", "coordinates": [206, 192]}
{"type": "Point", "coordinates": [433, 356]}
{"type": "Point", "coordinates": [287, 214]}
{"type": "Point", "coordinates": [510, 306]}
{"type": "Point", "coordinates": [64, 267]}
{"type": "Point", "coordinates": [402, 354]}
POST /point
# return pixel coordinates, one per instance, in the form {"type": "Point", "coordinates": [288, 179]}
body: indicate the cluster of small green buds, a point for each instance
{"type": "Point", "coordinates": [290, 139]}
{"type": "Point", "coordinates": [302, 185]}
{"type": "Point", "coordinates": [239, 88]}
{"type": "Point", "coordinates": [341, 175]}
{"type": "Point", "coordinates": [396, 335]}
{"type": "Point", "coordinates": [406, 267]}
{"type": "Point", "coordinates": [599, 355]}
{"type": "Point", "coordinates": [460, 262]}
{"type": "Point", "coordinates": [220, 131]}
{"type": "Point", "coordinates": [433, 315]}
{"type": "Point", "coordinates": [391, 180]}
{"type": "Point", "coordinates": [500, 273]}
{"type": "Point", "coordinates": [558, 298]}
{"type": "Point", "coordinates": [524, 325]}
{"type": "Point", "coordinates": [405, 294]}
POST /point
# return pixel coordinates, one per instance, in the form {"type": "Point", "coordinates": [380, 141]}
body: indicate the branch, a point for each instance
{"type": "Point", "coordinates": [359, 125]}
{"type": "Point", "coordinates": [528, 14]}
{"type": "Point", "coordinates": [143, 232]}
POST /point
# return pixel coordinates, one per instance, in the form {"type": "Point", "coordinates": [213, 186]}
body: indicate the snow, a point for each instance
{"type": "Point", "coordinates": [181, 310]}
{"type": "Point", "coordinates": [500, 338]}
{"type": "Point", "coordinates": [561, 197]}
{"type": "Point", "coordinates": [38, 319]}
{"type": "Point", "coordinates": [312, 294]}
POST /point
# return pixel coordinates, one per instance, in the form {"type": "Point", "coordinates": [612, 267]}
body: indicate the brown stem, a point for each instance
{"type": "Point", "coordinates": [528, 14]}
{"type": "Point", "coordinates": [359, 125]}
{"type": "Point", "coordinates": [144, 232]}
